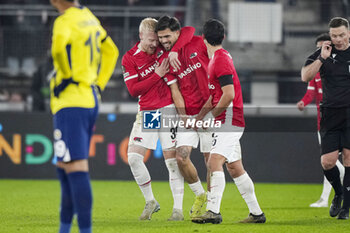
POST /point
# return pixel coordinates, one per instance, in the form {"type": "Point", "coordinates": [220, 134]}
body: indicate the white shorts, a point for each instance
{"type": "Point", "coordinates": [190, 137]}
{"type": "Point", "coordinates": [149, 139]}
{"type": "Point", "coordinates": [227, 144]}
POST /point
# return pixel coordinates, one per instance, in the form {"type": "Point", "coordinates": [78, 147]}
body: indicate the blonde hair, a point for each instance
{"type": "Point", "coordinates": [148, 24]}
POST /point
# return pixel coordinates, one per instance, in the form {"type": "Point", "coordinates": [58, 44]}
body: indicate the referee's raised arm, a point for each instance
{"type": "Point", "coordinates": [309, 71]}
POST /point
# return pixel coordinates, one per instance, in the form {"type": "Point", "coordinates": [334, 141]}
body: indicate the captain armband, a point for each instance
{"type": "Point", "coordinates": [226, 80]}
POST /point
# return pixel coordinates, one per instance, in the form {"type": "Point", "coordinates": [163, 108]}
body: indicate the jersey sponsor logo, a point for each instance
{"type": "Point", "coordinates": [211, 86]}
{"type": "Point", "coordinates": [138, 139]}
{"type": "Point", "coordinates": [152, 119]}
{"type": "Point", "coordinates": [149, 70]}
{"type": "Point", "coordinates": [189, 69]}
{"type": "Point", "coordinates": [193, 55]}
{"type": "Point", "coordinates": [160, 53]}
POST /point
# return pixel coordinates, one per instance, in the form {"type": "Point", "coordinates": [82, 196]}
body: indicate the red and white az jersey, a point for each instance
{"type": "Point", "coordinates": [139, 66]}
{"type": "Point", "coordinates": [140, 77]}
{"type": "Point", "coordinates": [192, 77]}
{"type": "Point", "coordinates": [221, 64]}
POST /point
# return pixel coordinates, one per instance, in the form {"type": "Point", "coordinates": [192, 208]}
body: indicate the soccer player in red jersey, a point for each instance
{"type": "Point", "coordinates": [143, 78]}
{"type": "Point", "coordinates": [192, 81]}
{"type": "Point", "coordinates": [225, 105]}
{"type": "Point", "coordinates": [314, 91]}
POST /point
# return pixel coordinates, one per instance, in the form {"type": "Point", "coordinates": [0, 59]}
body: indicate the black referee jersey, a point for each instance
{"type": "Point", "coordinates": [335, 75]}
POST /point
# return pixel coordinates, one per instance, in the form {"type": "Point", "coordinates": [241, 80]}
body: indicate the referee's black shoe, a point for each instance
{"type": "Point", "coordinates": [336, 205]}
{"type": "Point", "coordinates": [343, 214]}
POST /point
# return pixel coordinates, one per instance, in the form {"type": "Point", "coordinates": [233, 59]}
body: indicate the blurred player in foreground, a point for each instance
{"type": "Point", "coordinates": [314, 91]}
{"type": "Point", "coordinates": [84, 59]}
{"type": "Point", "coordinates": [143, 74]}
{"type": "Point", "coordinates": [225, 105]}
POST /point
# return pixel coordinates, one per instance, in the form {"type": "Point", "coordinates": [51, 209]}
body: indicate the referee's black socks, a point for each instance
{"type": "Point", "coordinates": [333, 176]}
{"type": "Point", "coordinates": [346, 184]}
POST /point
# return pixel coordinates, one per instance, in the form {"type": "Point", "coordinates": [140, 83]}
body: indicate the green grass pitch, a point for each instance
{"type": "Point", "coordinates": [32, 206]}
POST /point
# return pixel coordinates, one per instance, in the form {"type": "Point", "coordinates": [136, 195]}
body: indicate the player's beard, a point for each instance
{"type": "Point", "coordinates": [151, 50]}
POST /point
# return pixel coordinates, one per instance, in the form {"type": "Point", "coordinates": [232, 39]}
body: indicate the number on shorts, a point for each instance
{"type": "Point", "coordinates": [214, 139]}
{"type": "Point", "coordinates": [173, 132]}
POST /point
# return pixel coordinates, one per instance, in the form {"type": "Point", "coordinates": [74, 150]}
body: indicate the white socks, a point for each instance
{"type": "Point", "coordinates": [326, 191]}
{"type": "Point", "coordinates": [176, 182]}
{"type": "Point", "coordinates": [341, 170]}
{"type": "Point", "coordinates": [141, 175]}
{"type": "Point", "coordinates": [245, 187]}
{"type": "Point", "coordinates": [197, 188]}
{"type": "Point", "coordinates": [217, 187]}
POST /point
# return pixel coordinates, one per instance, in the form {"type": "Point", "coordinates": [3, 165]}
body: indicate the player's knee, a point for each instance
{"type": "Point", "coordinates": [180, 161]}
{"type": "Point", "coordinates": [327, 164]}
{"type": "Point", "coordinates": [182, 152]}
{"type": "Point", "coordinates": [134, 159]}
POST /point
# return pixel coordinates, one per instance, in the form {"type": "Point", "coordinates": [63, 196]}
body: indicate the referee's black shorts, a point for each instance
{"type": "Point", "coordinates": [335, 129]}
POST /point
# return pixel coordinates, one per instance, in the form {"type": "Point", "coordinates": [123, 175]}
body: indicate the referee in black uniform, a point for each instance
{"type": "Point", "coordinates": [333, 63]}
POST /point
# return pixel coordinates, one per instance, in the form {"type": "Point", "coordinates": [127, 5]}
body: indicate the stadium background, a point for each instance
{"type": "Point", "coordinates": [269, 41]}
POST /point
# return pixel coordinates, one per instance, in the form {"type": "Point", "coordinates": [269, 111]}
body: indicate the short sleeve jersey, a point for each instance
{"type": "Point", "coordinates": [140, 65]}
{"type": "Point", "coordinates": [335, 75]}
{"type": "Point", "coordinates": [221, 64]}
{"type": "Point", "coordinates": [192, 77]}
{"type": "Point", "coordinates": [77, 36]}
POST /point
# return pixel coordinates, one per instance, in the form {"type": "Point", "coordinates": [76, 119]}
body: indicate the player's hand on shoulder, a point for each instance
{"type": "Point", "coordinates": [301, 105]}
{"type": "Point", "coordinates": [174, 60]}
{"type": "Point", "coordinates": [163, 68]}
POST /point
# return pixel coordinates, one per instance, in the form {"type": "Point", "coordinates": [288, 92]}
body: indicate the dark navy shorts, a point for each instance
{"type": "Point", "coordinates": [73, 128]}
